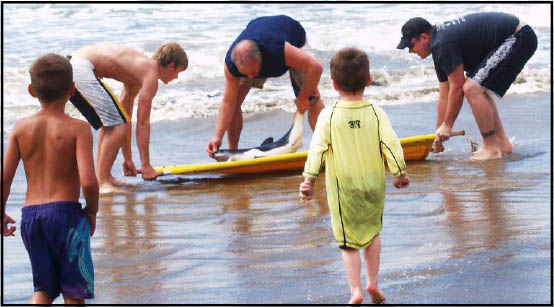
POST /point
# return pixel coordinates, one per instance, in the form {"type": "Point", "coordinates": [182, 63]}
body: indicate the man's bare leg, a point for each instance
{"type": "Point", "coordinates": [313, 112]}
{"type": "Point", "coordinates": [120, 183]}
{"type": "Point", "coordinates": [104, 188]}
{"type": "Point", "coordinates": [501, 137]}
{"type": "Point", "coordinates": [352, 262]}
{"type": "Point", "coordinates": [484, 116]}
{"type": "Point", "coordinates": [40, 297]}
{"type": "Point", "coordinates": [112, 140]}
{"type": "Point", "coordinates": [372, 255]}
{"type": "Point", "coordinates": [101, 134]}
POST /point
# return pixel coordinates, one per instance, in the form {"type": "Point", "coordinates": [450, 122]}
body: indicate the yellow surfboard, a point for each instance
{"type": "Point", "coordinates": [415, 148]}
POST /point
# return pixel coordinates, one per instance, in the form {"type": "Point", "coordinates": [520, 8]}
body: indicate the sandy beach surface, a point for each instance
{"type": "Point", "coordinates": [462, 233]}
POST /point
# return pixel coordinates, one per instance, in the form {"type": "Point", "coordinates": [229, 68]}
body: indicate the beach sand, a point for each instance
{"type": "Point", "coordinates": [462, 233]}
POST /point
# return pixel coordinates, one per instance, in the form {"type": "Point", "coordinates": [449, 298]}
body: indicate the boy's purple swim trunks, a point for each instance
{"type": "Point", "coordinates": [57, 238]}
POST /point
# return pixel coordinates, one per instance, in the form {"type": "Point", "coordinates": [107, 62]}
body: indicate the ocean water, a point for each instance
{"type": "Point", "coordinates": [462, 233]}
{"type": "Point", "coordinates": [206, 30]}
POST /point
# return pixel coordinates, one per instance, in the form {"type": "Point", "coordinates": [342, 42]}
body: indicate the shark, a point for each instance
{"type": "Point", "coordinates": [288, 143]}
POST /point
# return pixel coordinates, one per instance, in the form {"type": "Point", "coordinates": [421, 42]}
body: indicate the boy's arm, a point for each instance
{"type": "Point", "coordinates": [401, 181]}
{"type": "Point", "coordinates": [128, 95]}
{"type": "Point", "coordinates": [87, 176]}
{"type": "Point", "coordinates": [306, 188]}
{"type": "Point", "coordinates": [390, 146]}
{"type": "Point", "coordinates": [129, 168]}
{"type": "Point", "coordinates": [318, 147]}
{"type": "Point", "coordinates": [11, 161]}
{"type": "Point", "coordinates": [392, 149]}
{"type": "Point", "coordinates": [147, 93]}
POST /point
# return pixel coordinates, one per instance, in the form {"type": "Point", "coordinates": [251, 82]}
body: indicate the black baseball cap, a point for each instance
{"type": "Point", "coordinates": [413, 28]}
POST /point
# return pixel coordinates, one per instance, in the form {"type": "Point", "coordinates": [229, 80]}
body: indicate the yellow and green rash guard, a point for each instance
{"type": "Point", "coordinates": [352, 137]}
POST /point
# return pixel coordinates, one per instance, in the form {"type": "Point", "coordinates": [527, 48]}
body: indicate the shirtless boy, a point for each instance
{"type": "Point", "coordinates": [111, 115]}
{"type": "Point", "coordinates": [57, 155]}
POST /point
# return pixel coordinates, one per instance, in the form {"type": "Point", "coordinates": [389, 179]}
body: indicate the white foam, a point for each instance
{"type": "Point", "coordinates": [206, 31]}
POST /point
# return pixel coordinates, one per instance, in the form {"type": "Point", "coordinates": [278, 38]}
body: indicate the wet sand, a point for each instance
{"type": "Point", "coordinates": [462, 233]}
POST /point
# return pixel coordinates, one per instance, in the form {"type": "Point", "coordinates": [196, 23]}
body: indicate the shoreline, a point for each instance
{"type": "Point", "coordinates": [461, 227]}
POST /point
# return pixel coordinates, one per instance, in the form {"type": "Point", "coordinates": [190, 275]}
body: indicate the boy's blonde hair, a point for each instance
{"type": "Point", "coordinates": [171, 53]}
{"type": "Point", "coordinates": [350, 69]}
{"type": "Point", "coordinates": [51, 77]}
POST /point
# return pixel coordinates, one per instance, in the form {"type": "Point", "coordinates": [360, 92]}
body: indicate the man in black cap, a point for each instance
{"type": "Point", "coordinates": [492, 48]}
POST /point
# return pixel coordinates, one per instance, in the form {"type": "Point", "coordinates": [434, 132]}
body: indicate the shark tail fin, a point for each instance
{"type": "Point", "coordinates": [267, 141]}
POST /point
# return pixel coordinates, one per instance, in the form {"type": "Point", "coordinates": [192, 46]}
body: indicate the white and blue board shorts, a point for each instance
{"type": "Point", "coordinates": [93, 98]}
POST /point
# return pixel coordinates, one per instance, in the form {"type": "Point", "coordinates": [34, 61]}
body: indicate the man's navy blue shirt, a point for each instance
{"type": "Point", "coordinates": [468, 40]}
{"type": "Point", "coordinates": [270, 34]}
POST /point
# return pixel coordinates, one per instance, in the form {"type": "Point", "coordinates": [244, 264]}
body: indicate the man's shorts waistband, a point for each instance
{"type": "Point", "coordinates": [520, 26]}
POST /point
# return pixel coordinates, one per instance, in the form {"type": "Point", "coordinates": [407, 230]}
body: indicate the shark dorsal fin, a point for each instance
{"type": "Point", "coordinates": [267, 141]}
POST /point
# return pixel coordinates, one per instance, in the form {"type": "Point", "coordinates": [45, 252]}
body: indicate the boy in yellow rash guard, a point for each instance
{"type": "Point", "coordinates": [352, 136]}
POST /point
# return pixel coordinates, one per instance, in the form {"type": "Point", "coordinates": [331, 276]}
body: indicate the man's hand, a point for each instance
{"type": "Point", "coordinates": [148, 172]}
{"type": "Point", "coordinates": [401, 181]}
{"type": "Point", "coordinates": [8, 230]}
{"type": "Point", "coordinates": [306, 189]}
{"type": "Point", "coordinates": [437, 146]}
{"type": "Point", "coordinates": [91, 216]}
{"type": "Point", "coordinates": [443, 133]}
{"type": "Point", "coordinates": [129, 168]}
{"type": "Point", "coordinates": [302, 104]}
{"type": "Point", "coordinates": [212, 146]}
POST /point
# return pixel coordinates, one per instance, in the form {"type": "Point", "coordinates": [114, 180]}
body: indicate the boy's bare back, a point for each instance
{"type": "Point", "coordinates": [51, 147]}
{"type": "Point", "coordinates": [118, 62]}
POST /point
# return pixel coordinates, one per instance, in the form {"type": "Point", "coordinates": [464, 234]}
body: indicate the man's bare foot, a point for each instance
{"type": "Point", "coordinates": [356, 297]}
{"type": "Point", "coordinates": [120, 183]}
{"type": "Point", "coordinates": [109, 189]}
{"type": "Point", "coordinates": [505, 146]}
{"type": "Point", "coordinates": [377, 297]}
{"type": "Point", "coordinates": [482, 155]}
